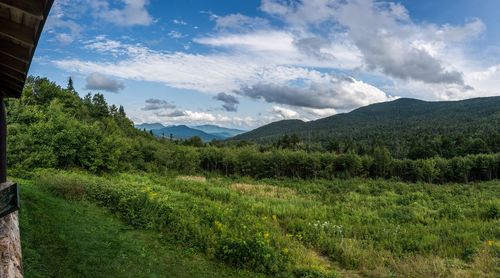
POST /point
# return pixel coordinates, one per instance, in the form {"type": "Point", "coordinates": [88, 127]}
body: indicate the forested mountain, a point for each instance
{"type": "Point", "coordinates": [184, 132]}
{"type": "Point", "coordinates": [219, 131]}
{"type": "Point", "coordinates": [205, 132]}
{"type": "Point", "coordinates": [408, 127]}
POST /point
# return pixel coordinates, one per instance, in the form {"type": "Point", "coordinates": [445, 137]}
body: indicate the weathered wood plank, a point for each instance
{"type": "Point", "coordinates": [17, 31]}
{"type": "Point", "coordinates": [13, 63]}
{"type": "Point", "coordinates": [14, 50]}
{"type": "Point", "coordinates": [34, 8]}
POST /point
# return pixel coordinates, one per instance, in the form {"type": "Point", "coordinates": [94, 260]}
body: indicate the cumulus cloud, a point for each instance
{"type": "Point", "coordinates": [98, 81]}
{"type": "Point", "coordinates": [328, 92]}
{"type": "Point", "coordinates": [300, 13]}
{"type": "Point", "coordinates": [154, 104]}
{"type": "Point", "coordinates": [132, 13]}
{"type": "Point", "coordinates": [283, 61]}
{"type": "Point", "coordinates": [388, 40]}
{"type": "Point", "coordinates": [284, 113]}
{"type": "Point", "coordinates": [230, 102]}
{"type": "Point", "coordinates": [314, 46]}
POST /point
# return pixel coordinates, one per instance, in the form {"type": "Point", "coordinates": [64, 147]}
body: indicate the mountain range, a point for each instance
{"type": "Point", "coordinates": [399, 119]}
{"type": "Point", "coordinates": [205, 132]}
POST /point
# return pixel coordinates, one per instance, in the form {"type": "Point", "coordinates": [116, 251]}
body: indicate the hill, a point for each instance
{"type": "Point", "coordinates": [184, 132]}
{"type": "Point", "coordinates": [402, 122]}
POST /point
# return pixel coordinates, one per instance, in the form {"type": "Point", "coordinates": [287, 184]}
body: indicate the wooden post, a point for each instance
{"type": "Point", "coordinates": [10, 239]}
{"type": "Point", "coordinates": [3, 141]}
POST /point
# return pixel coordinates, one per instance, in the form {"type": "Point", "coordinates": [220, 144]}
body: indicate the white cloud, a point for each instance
{"type": "Point", "coordinates": [179, 22]}
{"type": "Point", "coordinates": [132, 13]}
{"type": "Point", "coordinates": [206, 73]}
{"type": "Point", "coordinates": [284, 113]}
{"type": "Point", "coordinates": [195, 118]}
{"type": "Point", "coordinates": [288, 65]}
{"type": "Point", "coordinates": [239, 22]}
{"type": "Point", "coordinates": [321, 92]}
{"type": "Point", "coordinates": [320, 113]}
{"type": "Point", "coordinates": [176, 35]}
{"type": "Point", "coordinates": [98, 81]}
{"type": "Point", "coordinates": [300, 13]}
{"type": "Point", "coordinates": [259, 41]}
{"type": "Point", "coordinates": [60, 23]}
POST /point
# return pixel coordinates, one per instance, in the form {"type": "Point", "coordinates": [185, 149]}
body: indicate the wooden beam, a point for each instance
{"type": "Point", "coordinates": [13, 63]}
{"type": "Point", "coordinates": [17, 31]}
{"type": "Point", "coordinates": [34, 8]}
{"type": "Point", "coordinates": [9, 82]}
{"type": "Point", "coordinates": [7, 92]}
{"type": "Point", "coordinates": [10, 85]}
{"type": "Point", "coordinates": [14, 50]}
{"type": "Point", "coordinates": [12, 73]}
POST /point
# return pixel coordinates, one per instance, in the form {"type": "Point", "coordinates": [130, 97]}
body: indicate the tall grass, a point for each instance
{"type": "Point", "coordinates": [319, 228]}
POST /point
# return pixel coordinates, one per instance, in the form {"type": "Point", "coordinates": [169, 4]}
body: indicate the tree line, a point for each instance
{"type": "Point", "coordinates": [53, 127]}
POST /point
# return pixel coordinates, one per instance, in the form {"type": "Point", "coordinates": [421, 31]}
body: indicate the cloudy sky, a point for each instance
{"type": "Point", "coordinates": [246, 63]}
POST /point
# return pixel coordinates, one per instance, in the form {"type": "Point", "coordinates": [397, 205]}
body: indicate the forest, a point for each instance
{"type": "Point", "coordinates": [408, 128]}
{"type": "Point", "coordinates": [52, 127]}
{"type": "Point", "coordinates": [288, 208]}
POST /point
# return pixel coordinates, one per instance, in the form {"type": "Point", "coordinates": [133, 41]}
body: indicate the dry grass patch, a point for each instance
{"type": "Point", "coordinates": [261, 190]}
{"type": "Point", "coordinates": [192, 178]}
{"type": "Point", "coordinates": [316, 261]}
{"type": "Point", "coordinates": [484, 265]}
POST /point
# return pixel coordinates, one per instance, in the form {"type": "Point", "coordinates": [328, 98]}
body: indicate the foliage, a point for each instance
{"type": "Point", "coordinates": [51, 127]}
{"type": "Point", "coordinates": [308, 229]}
{"type": "Point", "coordinates": [408, 128]}
{"type": "Point", "coordinates": [62, 238]}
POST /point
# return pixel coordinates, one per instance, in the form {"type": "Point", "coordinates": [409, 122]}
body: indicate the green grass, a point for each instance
{"type": "Point", "coordinates": [65, 238]}
{"type": "Point", "coordinates": [294, 228]}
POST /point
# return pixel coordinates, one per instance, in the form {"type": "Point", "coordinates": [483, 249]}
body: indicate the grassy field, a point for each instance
{"type": "Point", "coordinates": [66, 238]}
{"type": "Point", "coordinates": [349, 228]}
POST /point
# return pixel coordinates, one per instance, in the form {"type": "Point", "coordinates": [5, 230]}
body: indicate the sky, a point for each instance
{"type": "Point", "coordinates": [246, 63]}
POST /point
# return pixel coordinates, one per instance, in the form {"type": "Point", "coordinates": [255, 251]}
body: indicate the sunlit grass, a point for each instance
{"type": "Point", "coordinates": [322, 228]}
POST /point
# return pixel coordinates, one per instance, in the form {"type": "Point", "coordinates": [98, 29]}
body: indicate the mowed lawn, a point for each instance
{"type": "Point", "coordinates": [182, 225]}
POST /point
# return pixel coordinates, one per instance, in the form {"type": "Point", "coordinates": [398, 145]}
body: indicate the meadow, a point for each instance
{"type": "Point", "coordinates": [287, 227]}
{"type": "Point", "coordinates": [101, 198]}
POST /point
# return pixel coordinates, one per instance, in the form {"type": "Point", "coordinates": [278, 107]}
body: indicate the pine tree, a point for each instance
{"type": "Point", "coordinates": [121, 111]}
{"type": "Point", "coordinates": [70, 86]}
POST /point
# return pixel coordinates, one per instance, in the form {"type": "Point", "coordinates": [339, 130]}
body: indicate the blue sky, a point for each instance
{"type": "Point", "coordinates": [247, 63]}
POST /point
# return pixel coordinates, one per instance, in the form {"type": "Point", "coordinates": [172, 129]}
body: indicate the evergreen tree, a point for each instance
{"type": "Point", "coordinates": [70, 86]}
{"type": "Point", "coordinates": [121, 111]}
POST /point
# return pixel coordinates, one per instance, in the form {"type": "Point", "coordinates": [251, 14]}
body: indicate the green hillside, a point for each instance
{"type": "Point", "coordinates": [400, 125]}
